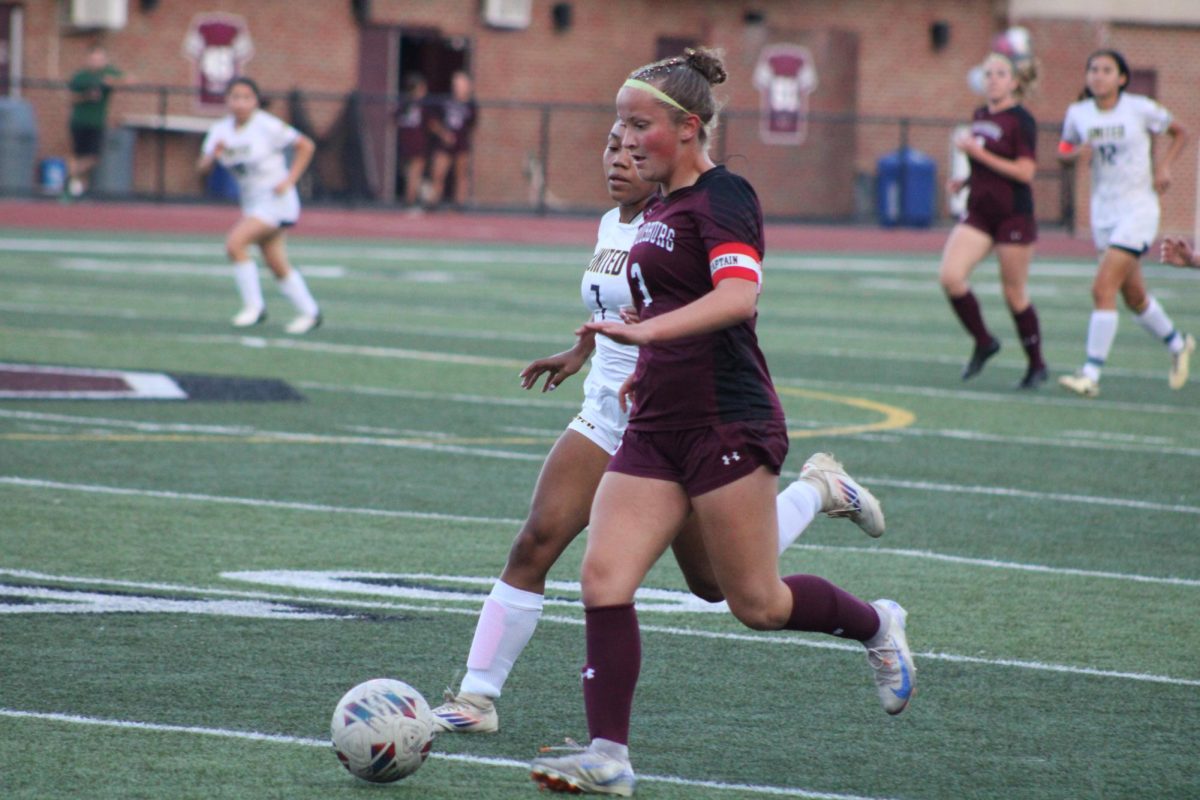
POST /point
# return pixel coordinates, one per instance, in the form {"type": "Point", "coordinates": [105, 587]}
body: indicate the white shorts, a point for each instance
{"type": "Point", "coordinates": [1134, 232]}
{"type": "Point", "coordinates": [601, 418]}
{"type": "Point", "coordinates": [276, 210]}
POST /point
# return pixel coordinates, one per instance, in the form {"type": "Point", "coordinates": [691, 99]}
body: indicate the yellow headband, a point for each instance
{"type": "Point", "coordinates": [634, 83]}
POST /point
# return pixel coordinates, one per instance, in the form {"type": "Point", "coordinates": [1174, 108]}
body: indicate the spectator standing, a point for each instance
{"type": "Point", "coordinates": [412, 127]}
{"type": "Point", "coordinates": [452, 139]}
{"type": "Point", "coordinates": [91, 87]}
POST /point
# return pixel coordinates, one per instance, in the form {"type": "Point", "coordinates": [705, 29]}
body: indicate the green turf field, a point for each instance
{"type": "Point", "coordinates": [182, 582]}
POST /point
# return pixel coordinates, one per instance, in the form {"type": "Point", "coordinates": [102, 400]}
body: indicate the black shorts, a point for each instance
{"type": "Point", "coordinates": [86, 141]}
{"type": "Point", "coordinates": [703, 459]}
{"type": "Point", "coordinates": [1006, 229]}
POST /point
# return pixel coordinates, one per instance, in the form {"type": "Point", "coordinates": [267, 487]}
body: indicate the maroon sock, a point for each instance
{"type": "Point", "coordinates": [1031, 336]}
{"type": "Point", "coordinates": [614, 658]}
{"type": "Point", "coordinates": [819, 606]}
{"type": "Point", "coordinates": [971, 316]}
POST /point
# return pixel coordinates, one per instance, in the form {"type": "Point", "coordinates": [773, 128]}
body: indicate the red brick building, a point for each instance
{"type": "Point", "coordinates": [546, 83]}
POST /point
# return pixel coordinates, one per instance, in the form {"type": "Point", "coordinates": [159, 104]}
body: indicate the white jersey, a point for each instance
{"type": "Point", "coordinates": [252, 152]}
{"type": "Point", "coordinates": [1120, 138]}
{"type": "Point", "coordinates": [605, 290]}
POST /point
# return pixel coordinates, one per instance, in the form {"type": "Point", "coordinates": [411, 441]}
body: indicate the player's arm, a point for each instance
{"type": "Point", "coordinates": [209, 153]}
{"type": "Point", "coordinates": [305, 148]}
{"type": "Point", "coordinates": [733, 300]}
{"type": "Point", "coordinates": [1162, 166]}
{"type": "Point", "coordinates": [560, 365]}
{"type": "Point", "coordinates": [1070, 145]}
{"type": "Point", "coordinates": [1020, 169]}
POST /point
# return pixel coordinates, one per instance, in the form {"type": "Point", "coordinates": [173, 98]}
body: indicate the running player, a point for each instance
{"type": "Point", "coordinates": [575, 465]}
{"type": "Point", "coordinates": [1001, 146]}
{"type": "Point", "coordinates": [250, 143]}
{"type": "Point", "coordinates": [706, 437]}
{"type": "Point", "coordinates": [1117, 127]}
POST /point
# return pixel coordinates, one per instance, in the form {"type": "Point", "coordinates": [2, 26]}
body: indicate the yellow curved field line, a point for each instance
{"type": "Point", "coordinates": [893, 417]}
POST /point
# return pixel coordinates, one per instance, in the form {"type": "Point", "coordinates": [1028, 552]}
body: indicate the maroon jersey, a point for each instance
{"type": "Point", "coordinates": [458, 118]}
{"type": "Point", "coordinates": [1011, 134]}
{"type": "Point", "coordinates": [411, 127]}
{"type": "Point", "coordinates": [691, 240]}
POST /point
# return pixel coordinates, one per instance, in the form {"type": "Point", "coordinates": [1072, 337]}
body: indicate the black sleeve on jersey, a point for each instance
{"type": "Point", "coordinates": [734, 208]}
{"type": "Point", "coordinates": [1028, 128]}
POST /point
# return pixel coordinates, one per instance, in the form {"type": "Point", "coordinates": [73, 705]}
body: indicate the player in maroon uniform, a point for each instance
{"type": "Point", "coordinates": [412, 136]}
{"type": "Point", "coordinates": [706, 435]}
{"type": "Point", "coordinates": [452, 139]}
{"type": "Point", "coordinates": [999, 215]}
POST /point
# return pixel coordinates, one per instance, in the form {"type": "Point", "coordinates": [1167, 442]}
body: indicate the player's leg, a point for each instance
{"type": "Point", "coordinates": [241, 237]}
{"type": "Point", "coordinates": [1153, 319]}
{"type": "Point", "coordinates": [291, 283]}
{"type": "Point", "coordinates": [437, 178]}
{"type": "Point", "coordinates": [414, 174]}
{"type": "Point", "coordinates": [1116, 265]}
{"type": "Point", "coordinates": [1014, 278]}
{"type": "Point", "coordinates": [558, 511]}
{"type": "Point", "coordinates": [964, 249]}
{"type": "Point", "coordinates": [462, 183]}
{"type": "Point", "coordinates": [633, 520]}
{"type": "Point", "coordinates": [739, 534]}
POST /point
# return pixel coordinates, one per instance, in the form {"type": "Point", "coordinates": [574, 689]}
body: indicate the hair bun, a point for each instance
{"type": "Point", "coordinates": [707, 63]}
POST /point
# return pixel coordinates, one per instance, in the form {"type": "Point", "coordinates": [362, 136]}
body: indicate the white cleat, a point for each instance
{"type": "Point", "coordinates": [1080, 384]}
{"type": "Point", "coordinates": [841, 495]}
{"type": "Point", "coordinates": [890, 658]}
{"type": "Point", "coordinates": [586, 771]}
{"type": "Point", "coordinates": [248, 317]}
{"type": "Point", "coordinates": [303, 324]}
{"type": "Point", "coordinates": [1178, 375]}
{"type": "Point", "coordinates": [466, 713]}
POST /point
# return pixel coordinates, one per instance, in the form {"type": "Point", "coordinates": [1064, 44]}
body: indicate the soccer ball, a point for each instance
{"type": "Point", "coordinates": [382, 730]}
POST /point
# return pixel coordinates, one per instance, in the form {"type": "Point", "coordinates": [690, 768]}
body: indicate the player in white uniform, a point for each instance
{"type": "Point", "coordinates": [250, 143]}
{"type": "Point", "coordinates": [562, 499]}
{"type": "Point", "coordinates": [1118, 128]}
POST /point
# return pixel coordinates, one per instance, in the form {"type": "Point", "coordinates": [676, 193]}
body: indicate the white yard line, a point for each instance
{"type": "Point", "coordinates": [461, 758]}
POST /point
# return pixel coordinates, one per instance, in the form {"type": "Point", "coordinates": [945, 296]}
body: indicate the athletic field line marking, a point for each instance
{"type": "Point", "coordinates": [462, 758]}
{"type": "Point", "coordinates": [775, 639]}
{"type": "Point", "coordinates": [31, 483]}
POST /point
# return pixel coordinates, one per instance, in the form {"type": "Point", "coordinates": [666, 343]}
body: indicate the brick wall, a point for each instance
{"type": "Point", "coordinates": [313, 45]}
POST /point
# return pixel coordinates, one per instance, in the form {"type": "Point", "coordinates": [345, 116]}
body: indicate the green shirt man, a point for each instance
{"type": "Point", "coordinates": [92, 89]}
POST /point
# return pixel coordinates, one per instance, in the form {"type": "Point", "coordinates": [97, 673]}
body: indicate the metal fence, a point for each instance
{"type": "Point", "coordinates": [527, 156]}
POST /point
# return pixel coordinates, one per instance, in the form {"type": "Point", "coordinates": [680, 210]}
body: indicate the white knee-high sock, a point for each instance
{"type": "Point", "coordinates": [795, 508]}
{"type": "Point", "coordinates": [295, 289]}
{"type": "Point", "coordinates": [245, 274]}
{"type": "Point", "coordinates": [1154, 321]}
{"type": "Point", "coordinates": [505, 626]}
{"type": "Point", "coordinates": [1102, 330]}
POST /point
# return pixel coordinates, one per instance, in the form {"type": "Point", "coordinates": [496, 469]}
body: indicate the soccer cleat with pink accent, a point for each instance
{"type": "Point", "coordinates": [890, 659]}
{"type": "Point", "coordinates": [466, 712]}
{"type": "Point", "coordinates": [841, 495]}
{"type": "Point", "coordinates": [1178, 375]}
{"type": "Point", "coordinates": [586, 771]}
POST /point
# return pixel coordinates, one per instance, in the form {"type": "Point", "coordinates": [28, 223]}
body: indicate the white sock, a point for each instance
{"type": "Point", "coordinates": [1102, 329]}
{"type": "Point", "coordinates": [1154, 321]}
{"type": "Point", "coordinates": [295, 289]}
{"type": "Point", "coordinates": [505, 626]}
{"type": "Point", "coordinates": [795, 508]}
{"type": "Point", "coordinates": [245, 273]}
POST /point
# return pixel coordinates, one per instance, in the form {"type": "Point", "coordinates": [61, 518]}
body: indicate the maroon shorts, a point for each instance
{"type": "Point", "coordinates": [703, 459]}
{"type": "Point", "coordinates": [1008, 229]}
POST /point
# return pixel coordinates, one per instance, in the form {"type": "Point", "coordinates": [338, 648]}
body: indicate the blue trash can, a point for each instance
{"type": "Point", "coordinates": [52, 176]}
{"type": "Point", "coordinates": [905, 189]}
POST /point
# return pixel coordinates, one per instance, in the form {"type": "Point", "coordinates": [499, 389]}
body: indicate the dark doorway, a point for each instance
{"type": "Point", "coordinates": [435, 57]}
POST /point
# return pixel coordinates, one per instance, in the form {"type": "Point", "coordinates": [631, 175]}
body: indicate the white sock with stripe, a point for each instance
{"type": "Point", "coordinates": [506, 624]}
{"type": "Point", "coordinates": [245, 274]}
{"type": "Point", "coordinates": [1102, 330]}
{"type": "Point", "coordinates": [795, 508]}
{"type": "Point", "coordinates": [1154, 321]}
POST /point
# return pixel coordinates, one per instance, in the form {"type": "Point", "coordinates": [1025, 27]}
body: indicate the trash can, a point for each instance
{"type": "Point", "coordinates": [221, 184]}
{"type": "Point", "coordinates": [114, 171]}
{"type": "Point", "coordinates": [52, 176]}
{"type": "Point", "coordinates": [18, 146]}
{"type": "Point", "coordinates": [905, 189]}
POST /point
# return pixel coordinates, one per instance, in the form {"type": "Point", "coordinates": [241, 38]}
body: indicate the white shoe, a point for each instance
{"type": "Point", "coordinates": [841, 495]}
{"type": "Point", "coordinates": [586, 771]}
{"type": "Point", "coordinates": [1080, 384]}
{"type": "Point", "coordinates": [890, 658]}
{"type": "Point", "coordinates": [466, 712]}
{"type": "Point", "coordinates": [1178, 375]}
{"type": "Point", "coordinates": [249, 316]}
{"type": "Point", "coordinates": [303, 324]}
